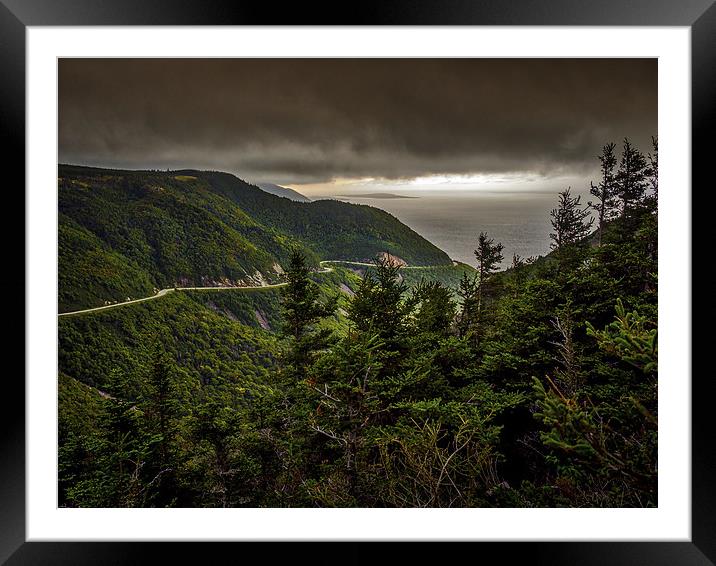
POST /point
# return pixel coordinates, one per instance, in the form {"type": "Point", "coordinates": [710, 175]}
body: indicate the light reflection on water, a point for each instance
{"type": "Point", "coordinates": [453, 220]}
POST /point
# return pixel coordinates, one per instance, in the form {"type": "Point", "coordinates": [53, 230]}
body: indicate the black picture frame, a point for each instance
{"type": "Point", "coordinates": [17, 15]}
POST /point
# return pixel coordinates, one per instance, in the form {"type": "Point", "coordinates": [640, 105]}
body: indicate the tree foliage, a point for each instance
{"type": "Point", "coordinates": [605, 191]}
{"type": "Point", "coordinates": [571, 223]}
{"type": "Point", "coordinates": [532, 386]}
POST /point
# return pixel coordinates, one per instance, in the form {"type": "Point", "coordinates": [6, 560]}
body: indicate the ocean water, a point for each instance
{"type": "Point", "coordinates": [453, 220]}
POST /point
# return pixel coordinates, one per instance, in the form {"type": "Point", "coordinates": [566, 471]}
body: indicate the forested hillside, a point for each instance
{"type": "Point", "coordinates": [530, 387]}
{"type": "Point", "coordinates": [127, 233]}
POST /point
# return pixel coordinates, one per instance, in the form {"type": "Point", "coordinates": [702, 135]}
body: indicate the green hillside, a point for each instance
{"type": "Point", "coordinates": [125, 233]}
{"type": "Point", "coordinates": [333, 229]}
{"type": "Point", "coordinates": [201, 335]}
{"type": "Point", "coordinates": [235, 328]}
{"type": "Point", "coordinates": [447, 275]}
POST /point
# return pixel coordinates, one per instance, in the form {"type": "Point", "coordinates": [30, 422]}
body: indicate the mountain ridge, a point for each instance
{"type": "Point", "coordinates": [123, 234]}
{"type": "Point", "coordinates": [284, 192]}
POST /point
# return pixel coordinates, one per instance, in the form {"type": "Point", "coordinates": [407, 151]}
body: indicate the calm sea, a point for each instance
{"type": "Point", "coordinates": [453, 220]}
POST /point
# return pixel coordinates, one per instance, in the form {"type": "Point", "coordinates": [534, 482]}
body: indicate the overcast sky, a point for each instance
{"type": "Point", "coordinates": [309, 121]}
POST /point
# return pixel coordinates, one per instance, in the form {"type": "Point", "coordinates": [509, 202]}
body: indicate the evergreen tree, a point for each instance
{"type": "Point", "coordinates": [467, 294]}
{"type": "Point", "coordinates": [393, 409]}
{"type": "Point", "coordinates": [378, 306]}
{"type": "Point", "coordinates": [605, 190]}
{"type": "Point", "coordinates": [653, 171]}
{"type": "Point", "coordinates": [288, 410]}
{"type": "Point", "coordinates": [213, 428]}
{"type": "Point", "coordinates": [347, 383]}
{"type": "Point", "coordinates": [570, 222]}
{"type": "Point", "coordinates": [302, 310]}
{"type": "Point", "coordinates": [568, 375]}
{"type": "Point", "coordinates": [161, 408]}
{"type": "Point", "coordinates": [631, 178]}
{"type": "Point", "coordinates": [122, 450]}
{"type": "Point", "coordinates": [488, 255]}
{"type": "Point", "coordinates": [434, 308]}
{"type": "Point", "coordinates": [519, 272]}
{"type": "Point", "coordinates": [517, 261]}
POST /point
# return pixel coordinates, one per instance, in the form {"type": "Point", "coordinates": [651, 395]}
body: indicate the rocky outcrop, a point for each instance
{"type": "Point", "coordinates": [392, 259]}
{"type": "Point", "coordinates": [262, 320]}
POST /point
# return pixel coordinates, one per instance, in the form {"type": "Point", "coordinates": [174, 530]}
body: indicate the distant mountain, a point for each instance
{"type": "Point", "coordinates": [285, 192]}
{"type": "Point", "coordinates": [127, 233]}
{"type": "Point", "coordinates": [376, 196]}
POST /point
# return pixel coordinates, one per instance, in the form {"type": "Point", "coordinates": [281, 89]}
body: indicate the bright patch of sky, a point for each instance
{"type": "Point", "coordinates": [451, 210]}
{"type": "Point", "coordinates": [505, 185]}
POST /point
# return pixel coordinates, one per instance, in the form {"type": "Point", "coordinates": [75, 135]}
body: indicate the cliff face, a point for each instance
{"type": "Point", "coordinates": [393, 260]}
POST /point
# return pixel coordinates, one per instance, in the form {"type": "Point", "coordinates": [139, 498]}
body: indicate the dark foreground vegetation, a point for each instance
{"type": "Point", "coordinates": [534, 386]}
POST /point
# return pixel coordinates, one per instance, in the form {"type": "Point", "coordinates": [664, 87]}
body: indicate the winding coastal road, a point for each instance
{"type": "Point", "coordinates": [362, 263]}
{"type": "Point", "coordinates": [163, 292]}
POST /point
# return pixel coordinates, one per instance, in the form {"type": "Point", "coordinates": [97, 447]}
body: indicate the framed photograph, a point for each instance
{"type": "Point", "coordinates": [407, 280]}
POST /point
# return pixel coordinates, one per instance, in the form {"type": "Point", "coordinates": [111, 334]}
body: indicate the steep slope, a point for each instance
{"type": "Point", "coordinates": [126, 233]}
{"type": "Point", "coordinates": [285, 192]}
{"type": "Point", "coordinates": [333, 229]}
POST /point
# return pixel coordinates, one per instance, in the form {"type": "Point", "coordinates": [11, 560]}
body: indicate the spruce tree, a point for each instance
{"type": "Point", "coordinates": [631, 178]}
{"type": "Point", "coordinates": [300, 308]}
{"type": "Point", "coordinates": [347, 386]}
{"type": "Point", "coordinates": [123, 450]}
{"type": "Point", "coordinates": [467, 295]}
{"type": "Point", "coordinates": [489, 255]}
{"type": "Point", "coordinates": [161, 415]}
{"type": "Point", "coordinates": [435, 308]}
{"type": "Point", "coordinates": [519, 272]}
{"type": "Point", "coordinates": [653, 171]}
{"type": "Point", "coordinates": [378, 305]}
{"type": "Point", "coordinates": [301, 311]}
{"type": "Point", "coordinates": [215, 426]}
{"type": "Point", "coordinates": [605, 190]}
{"type": "Point", "coordinates": [570, 222]}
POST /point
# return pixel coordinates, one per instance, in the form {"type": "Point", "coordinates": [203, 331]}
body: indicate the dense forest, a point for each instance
{"type": "Point", "coordinates": [129, 233]}
{"type": "Point", "coordinates": [532, 386]}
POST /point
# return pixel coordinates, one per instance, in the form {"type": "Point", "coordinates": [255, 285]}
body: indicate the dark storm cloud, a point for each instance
{"type": "Point", "coordinates": [310, 120]}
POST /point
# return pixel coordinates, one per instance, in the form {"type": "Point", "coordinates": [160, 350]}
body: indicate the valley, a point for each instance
{"type": "Point", "coordinates": [222, 346]}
